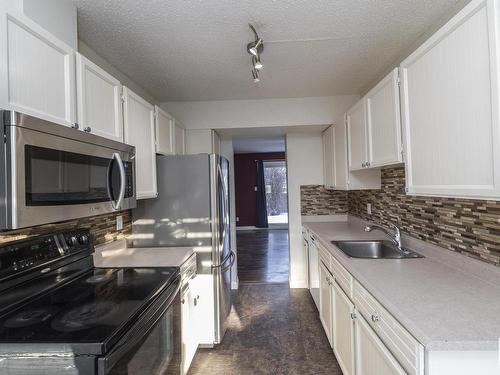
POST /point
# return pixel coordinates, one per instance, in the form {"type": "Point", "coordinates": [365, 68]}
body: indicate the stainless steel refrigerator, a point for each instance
{"type": "Point", "coordinates": [192, 209]}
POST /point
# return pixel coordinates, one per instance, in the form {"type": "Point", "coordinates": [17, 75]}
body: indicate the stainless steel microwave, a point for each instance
{"type": "Point", "coordinates": [51, 173]}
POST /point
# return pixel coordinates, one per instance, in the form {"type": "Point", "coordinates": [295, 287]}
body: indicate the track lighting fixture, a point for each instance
{"type": "Point", "coordinates": [255, 48]}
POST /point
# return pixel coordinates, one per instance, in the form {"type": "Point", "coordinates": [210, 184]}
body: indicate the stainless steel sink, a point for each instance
{"type": "Point", "coordinates": [374, 250]}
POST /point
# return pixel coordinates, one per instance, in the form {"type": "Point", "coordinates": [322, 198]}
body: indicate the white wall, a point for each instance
{"type": "Point", "coordinates": [304, 167]}
{"type": "Point", "coordinates": [56, 16]}
{"type": "Point", "coordinates": [259, 113]}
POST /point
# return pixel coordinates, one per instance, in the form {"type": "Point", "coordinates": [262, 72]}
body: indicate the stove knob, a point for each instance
{"type": "Point", "coordinates": [73, 241]}
{"type": "Point", "coordinates": [84, 239]}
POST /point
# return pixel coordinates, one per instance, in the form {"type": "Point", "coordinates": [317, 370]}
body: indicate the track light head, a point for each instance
{"type": "Point", "coordinates": [257, 64]}
{"type": "Point", "coordinates": [255, 75]}
{"type": "Point", "coordinates": [255, 48]}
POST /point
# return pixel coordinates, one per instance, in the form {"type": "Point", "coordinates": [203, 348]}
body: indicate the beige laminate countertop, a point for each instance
{"type": "Point", "coordinates": [447, 301]}
{"type": "Point", "coordinates": [117, 254]}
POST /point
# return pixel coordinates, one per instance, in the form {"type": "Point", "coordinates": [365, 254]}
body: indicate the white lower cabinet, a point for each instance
{"type": "Point", "coordinates": [366, 339]}
{"type": "Point", "coordinates": [313, 263]}
{"type": "Point", "coordinates": [372, 357]}
{"type": "Point", "coordinates": [190, 324]}
{"type": "Point", "coordinates": [325, 300]}
{"type": "Point", "coordinates": [343, 330]}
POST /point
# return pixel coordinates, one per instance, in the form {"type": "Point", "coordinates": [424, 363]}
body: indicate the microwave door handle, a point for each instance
{"type": "Point", "coordinates": [118, 203]}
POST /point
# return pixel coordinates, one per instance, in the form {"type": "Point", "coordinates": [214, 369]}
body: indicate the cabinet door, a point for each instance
{"type": "Point", "coordinates": [356, 135]}
{"type": "Point", "coordinates": [343, 330]}
{"type": "Point", "coordinates": [37, 71]}
{"type": "Point", "coordinates": [164, 124]}
{"type": "Point", "coordinates": [99, 100]}
{"type": "Point", "coordinates": [329, 162]}
{"type": "Point", "coordinates": [179, 138]}
{"type": "Point", "coordinates": [313, 261]}
{"type": "Point", "coordinates": [372, 357]}
{"type": "Point", "coordinates": [384, 122]}
{"type": "Point", "coordinates": [139, 126]}
{"type": "Point", "coordinates": [450, 107]}
{"type": "Point", "coordinates": [325, 300]}
{"type": "Point", "coordinates": [189, 327]}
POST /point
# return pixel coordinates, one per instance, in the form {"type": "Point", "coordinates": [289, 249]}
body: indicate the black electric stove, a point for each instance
{"type": "Point", "coordinates": [56, 304]}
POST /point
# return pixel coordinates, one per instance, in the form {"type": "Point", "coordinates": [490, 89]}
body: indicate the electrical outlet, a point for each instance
{"type": "Point", "coordinates": [119, 222]}
{"type": "Point", "coordinates": [369, 208]}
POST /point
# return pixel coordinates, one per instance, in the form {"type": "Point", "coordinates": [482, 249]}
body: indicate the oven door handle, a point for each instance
{"type": "Point", "coordinates": [137, 333]}
{"type": "Point", "coordinates": [116, 205]}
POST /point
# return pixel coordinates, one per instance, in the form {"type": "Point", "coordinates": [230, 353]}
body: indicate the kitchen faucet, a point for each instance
{"type": "Point", "coordinates": [395, 236]}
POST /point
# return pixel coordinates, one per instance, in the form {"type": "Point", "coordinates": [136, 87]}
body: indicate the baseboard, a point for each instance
{"type": "Point", "coordinates": [298, 284]}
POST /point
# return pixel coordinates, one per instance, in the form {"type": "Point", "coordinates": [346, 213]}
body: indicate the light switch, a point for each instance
{"type": "Point", "coordinates": [119, 222]}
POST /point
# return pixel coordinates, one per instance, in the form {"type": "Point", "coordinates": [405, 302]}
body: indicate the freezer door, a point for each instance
{"type": "Point", "coordinates": [222, 256]}
{"type": "Point", "coordinates": [181, 215]}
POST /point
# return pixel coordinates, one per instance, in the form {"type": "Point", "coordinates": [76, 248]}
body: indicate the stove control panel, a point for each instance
{"type": "Point", "coordinates": [23, 255]}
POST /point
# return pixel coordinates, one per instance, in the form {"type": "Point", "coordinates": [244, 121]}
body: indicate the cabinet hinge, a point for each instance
{"type": "Point", "coordinates": [398, 81]}
{"type": "Point", "coordinates": [122, 97]}
{"type": "Point", "coordinates": [353, 316]}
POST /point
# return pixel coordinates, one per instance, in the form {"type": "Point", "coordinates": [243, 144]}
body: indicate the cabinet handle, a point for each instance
{"type": "Point", "coordinates": [363, 165]}
{"type": "Point", "coordinates": [375, 317]}
{"type": "Point", "coordinates": [88, 129]}
{"type": "Point", "coordinates": [75, 126]}
{"type": "Point", "coordinates": [367, 163]}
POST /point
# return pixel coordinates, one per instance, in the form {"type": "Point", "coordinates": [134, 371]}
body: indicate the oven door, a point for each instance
{"type": "Point", "coordinates": [153, 345]}
{"type": "Point", "coordinates": [54, 178]}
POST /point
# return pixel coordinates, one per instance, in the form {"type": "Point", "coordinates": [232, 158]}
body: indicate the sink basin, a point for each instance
{"type": "Point", "coordinates": [374, 250]}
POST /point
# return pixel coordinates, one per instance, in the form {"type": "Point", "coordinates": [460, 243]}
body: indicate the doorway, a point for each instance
{"type": "Point", "coordinates": [261, 210]}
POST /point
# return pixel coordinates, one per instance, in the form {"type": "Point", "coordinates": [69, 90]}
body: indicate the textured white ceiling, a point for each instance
{"type": "Point", "coordinates": [251, 145]}
{"type": "Point", "coordinates": [195, 50]}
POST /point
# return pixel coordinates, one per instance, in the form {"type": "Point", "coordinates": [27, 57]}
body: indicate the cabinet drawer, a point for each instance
{"type": "Point", "coordinates": [343, 277]}
{"type": "Point", "coordinates": [405, 348]}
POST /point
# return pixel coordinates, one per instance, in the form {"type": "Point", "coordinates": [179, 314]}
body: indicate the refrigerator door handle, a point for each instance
{"type": "Point", "coordinates": [232, 256]}
{"type": "Point", "coordinates": [224, 261]}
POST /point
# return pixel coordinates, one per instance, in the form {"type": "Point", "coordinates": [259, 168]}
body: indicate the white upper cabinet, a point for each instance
{"type": "Point", "coordinates": [383, 120]}
{"type": "Point", "coordinates": [329, 170]}
{"type": "Point", "coordinates": [139, 131]}
{"type": "Point", "coordinates": [356, 134]}
{"type": "Point", "coordinates": [179, 138]}
{"type": "Point", "coordinates": [374, 127]}
{"type": "Point", "coordinates": [37, 71]}
{"type": "Point", "coordinates": [336, 171]}
{"type": "Point", "coordinates": [164, 132]}
{"type": "Point", "coordinates": [99, 100]}
{"type": "Point", "coordinates": [450, 107]}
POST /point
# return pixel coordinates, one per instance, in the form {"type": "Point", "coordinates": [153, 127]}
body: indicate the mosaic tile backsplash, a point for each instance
{"type": "Point", "coordinates": [468, 226]}
{"type": "Point", "coordinates": [102, 228]}
{"type": "Point", "coordinates": [316, 200]}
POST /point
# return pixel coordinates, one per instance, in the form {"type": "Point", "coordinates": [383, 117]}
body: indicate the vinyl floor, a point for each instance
{"type": "Point", "coordinates": [272, 329]}
{"type": "Point", "coordinates": [263, 256]}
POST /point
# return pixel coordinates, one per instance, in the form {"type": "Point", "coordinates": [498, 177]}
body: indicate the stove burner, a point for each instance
{"type": "Point", "coordinates": [99, 278]}
{"type": "Point", "coordinates": [83, 317]}
{"type": "Point", "coordinates": [29, 317]}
